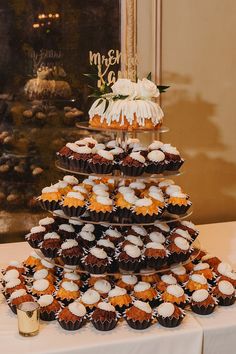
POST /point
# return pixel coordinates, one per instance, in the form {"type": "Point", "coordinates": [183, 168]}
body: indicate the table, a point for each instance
{"type": "Point", "coordinates": [214, 334]}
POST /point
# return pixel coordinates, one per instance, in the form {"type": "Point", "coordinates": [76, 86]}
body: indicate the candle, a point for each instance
{"type": "Point", "coordinates": [28, 318]}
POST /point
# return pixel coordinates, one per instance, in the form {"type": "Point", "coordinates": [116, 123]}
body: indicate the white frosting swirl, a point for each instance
{"type": "Point", "coordinates": [105, 243]}
{"type": "Point", "coordinates": [88, 236]}
{"type": "Point", "coordinates": [162, 226]}
{"type": "Point", "coordinates": [45, 300]}
{"type": "Point", "coordinates": [113, 233]}
{"type": "Point", "coordinates": [168, 148]}
{"type": "Point", "coordinates": [137, 156]}
{"type": "Point", "coordinates": [46, 221]}
{"type": "Point", "coordinates": [183, 234]}
{"type": "Point", "coordinates": [40, 274]}
{"type": "Point", "coordinates": [106, 154]}
{"type": "Point", "coordinates": [155, 145]}
{"type": "Point", "coordinates": [17, 293]}
{"type": "Point", "coordinates": [143, 202]}
{"type": "Point", "coordinates": [70, 180]}
{"type": "Point", "coordinates": [139, 230]}
{"type": "Point", "coordinates": [130, 198]}
{"type": "Point", "coordinates": [77, 309]}
{"type": "Point", "coordinates": [41, 284]}
{"type": "Point", "coordinates": [135, 240]}
{"type": "Point", "coordinates": [117, 291]}
{"type": "Point", "coordinates": [201, 266]}
{"type": "Point", "coordinates": [166, 309]}
{"type": "Point", "coordinates": [69, 244]}
{"type": "Point", "coordinates": [11, 274]}
{"type": "Point", "coordinates": [37, 229]}
{"type": "Point", "coordinates": [75, 195]}
{"type": "Point", "coordinates": [66, 227]}
{"type": "Point", "coordinates": [129, 279]}
{"type": "Point", "coordinates": [155, 246]}
{"type": "Point", "coordinates": [200, 295]}
{"type": "Point", "coordinates": [143, 306]}
{"type": "Point", "coordinates": [169, 279]}
{"type": "Point", "coordinates": [189, 224]}
{"type": "Point", "coordinates": [226, 287]}
{"type": "Point", "coordinates": [137, 185]}
{"type": "Point", "coordinates": [156, 156]}
{"type": "Point", "coordinates": [132, 251]}
{"type": "Point", "coordinates": [69, 286]}
{"type": "Point", "coordinates": [51, 236]}
{"type": "Point", "coordinates": [88, 228]}
{"type": "Point", "coordinates": [181, 243]}
{"type": "Point", "coordinates": [198, 278]}
{"type": "Point", "coordinates": [142, 286]}
{"type": "Point", "coordinates": [50, 189]}
{"type": "Point", "coordinates": [98, 252]}
{"type": "Point", "coordinates": [224, 268]}
{"type": "Point", "coordinates": [102, 286]}
{"type": "Point", "coordinates": [80, 189]}
{"type": "Point", "coordinates": [12, 283]}
{"type": "Point", "coordinates": [157, 237]}
{"type": "Point", "coordinates": [175, 290]}
{"type": "Point", "coordinates": [178, 270]}
{"type": "Point", "coordinates": [100, 186]}
{"type": "Point", "coordinates": [106, 306]}
{"type": "Point", "coordinates": [71, 276]}
{"type": "Point", "coordinates": [104, 200]}
{"type": "Point", "coordinates": [90, 297]}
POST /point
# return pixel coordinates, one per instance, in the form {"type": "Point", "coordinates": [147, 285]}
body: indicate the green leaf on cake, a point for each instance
{"type": "Point", "coordinates": [149, 77]}
{"type": "Point", "coordinates": [106, 105]}
{"type": "Point", "coordinates": [162, 88]}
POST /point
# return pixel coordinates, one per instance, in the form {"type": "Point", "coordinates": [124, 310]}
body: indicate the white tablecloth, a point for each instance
{"type": "Point", "coordinates": [214, 334]}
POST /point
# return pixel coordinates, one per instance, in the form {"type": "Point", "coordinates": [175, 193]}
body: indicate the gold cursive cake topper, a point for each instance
{"type": "Point", "coordinates": [112, 66]}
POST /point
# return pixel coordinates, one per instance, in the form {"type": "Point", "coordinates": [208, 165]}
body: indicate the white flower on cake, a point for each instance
{"type": "Point", "coordinates": [124, 87]}
{"type": "Point", "coordinates": [146, 89]}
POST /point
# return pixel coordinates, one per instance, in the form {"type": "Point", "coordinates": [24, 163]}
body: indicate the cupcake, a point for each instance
{"type": "Point", "coordinates": [119, 298]}
{"type": "Point", "coordinates": [102, 286]}
{"type": "Point", "coordinates": [155, 162]}
{"type": "Point", "coordinates": [79, 159]}
{"type": "Point", "coordinates": [169, 315]}
{"type": "Point", "coordinates": [73, 204]}
{"type": "Point", "coordinates": [50, 198]}
{"type": "Point", "coordinates": [174, 294]}
{"type": "Point", "coordinates": [139, 316]}
{"type": "Point", "coordinates": [137, 230]}
{"type": "Point", "coordinates": [107, 246]}
{"type": "Point", "coordinates": [66, 231]}
{"type": "Point", "coordinates": [104, 317]}
{"type": "Point", "coordinates": [68, 292]}
{"type": "Point", "coordinates": [204, 269]}
{"type": "Point", "coordinates": [49, 224]}
{"type": "Point", "coordinates": [70, 180]}
{"type": "Point", "coordinates": [180, 273]}
{"type": "Point", "coordinates": [44, 274]}
{"type": "Point", "coordinates": [133, 164]}
{"type": "Point", "coordinates": [178, 203]}
{"type": "Point", "coordinates": [155, 255]}
{"type": "Point", "coordinates": [72, 317]}
{"type": "Point", "coordinates": [224, 293]}
{"type": "Point", "coordinates": [157, 197]}
{"type": "Point", "coordinates": [18, 297]}
{"type": "Point", "coordinates": [72, 276]}
{"type": "Point", "coordinates": [155, 236]}
{"type": "Point", "coordinates": [32, 262]}
{"type": "Point", "coordinates": [127, 282]}
{"type": "Point", "coordinates": [190, 227]}
{"type": "Point", "coordinates": [144, 292]}
{"type": "Point", "coordinates": [70, 252]}
{"type": "Point", "coordinates": [100, 208]}
{"type": "Point", "coordinates": [96, 261]}
{"type": "Point", "coordinates": [86, 239]}
{"type": "Point", "coordinates": [42, 287]}
{"type": "Point", "coordinates": [113, 235]}
{"type": "Point", "coordinates": [35, 236]}
{"type": "Point", "coordinates": [196, 282]}
{"type": "Point", "coordinates": [161, 227]}
{"type": "Point", "coordinates": [146, 211]}
{"type": "Point", "coordinates": [90, 299]}
{"type": "Point", "coordinates": [179, 249]}
{"type": "Point", "coordinates": [11, 274]}
{"type": "Point", "coordinates": [77, 225]}
{"type": "Point", "coordinates": [50, 245]}
{"type": "Point", "coordinates": [102, 162]}
{"type": "Point", "coordinates": [172, 157]}
{"type": "Point", "coordinates": [165, 281]}
{"type": "Point", "coordinates": [64, 154]}
{"type": "Point", "coordinates": [13, 285]}
{"type": "Point", "coordinates": [118, 154]}
{"type": "Point", "coordinates": [202, 302]}
{"type": "Point", "coordinates": [223, 268]}
{"type": "Point", "coordinates": [124, 203]}
{"type": "Point", "coordinates": [130, 258]}
{"type": "Point", "coordinates": [48, 307]}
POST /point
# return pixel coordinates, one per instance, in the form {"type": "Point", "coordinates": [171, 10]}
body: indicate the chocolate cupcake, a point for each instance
{"type": "Point", "coordinates": [155, 162]}
{"type": "Point", "coordinates": [96, 261]}
{"type": "Point", "coordinates": [64, 154]}
{"type": "Point", "coordinates": [107, 246]}
{"type": "Point", "coordinates": [161, 227]}
{"type": "Point", "coordinates": [48, 307]}
{"type": "Point", "coordinates": [155, 236]}
{"type": "Point", "coordinates": [130, 258]}
{"type": "Point", "coordinates": [86, 239]}
{"type": "Point", "coordinates": [155, 145]}
{"type": "Point", "coordinates": [169, 315]}
{"type": "Point", "coordinates": [66, 231]}
{"type": "Point", "coordinates": [73, 204]}
{"type": "Point", "coordinates": [113, 235]}
{"type": "Point", "coordinates": [190, 227]}
{"type": "Point", "coordinates": [77, 225]}
{"type": "Point", "coordinates": [35, 236]}
{"type": "Point", "coordinates": [224, 293]}
{"type": "Point", "coordinates": [79, 159]}
{"type": "Point", "coordinates": [139, 316]}
{"type": "Point", "coordinates": [155, 255]}
{"type": "Point", "coordinates": [73, 317]}
{"type": "Point", "coordinates": [202, 302]}
{"type": "Point", "coordinates": [118, 154]}
{"type": "Point", "coordinates": [179, 249]}
{"type": "Point", "coordinates": [133, 164]}
{"type": "Point", "coordinates": [50, 245]}
{"type": "Point", "coordinates": [179, 233]}
{"type": "Point", "coordinates": [102, 162]}
{"type": "Point", "coordinates": [104, 317]}
{"type": "Point", "coordinates": [172, 157]}
{"type": "Point", "coordinates": [49, 224]}
{"type": "Point", "coordinates": [71, 253]}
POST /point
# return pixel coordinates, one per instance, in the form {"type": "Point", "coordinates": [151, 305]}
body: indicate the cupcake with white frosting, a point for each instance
{"type": "Point", "coordinates": [130, 258]}
{"type": "Point", "coordinates": [18, 297]}
{"type": "Point", "coordinates": [50, 198]}
{"type": "Point", "coordinates": [102, 162]}
{"type": "Point", "coordinates": [175, 294]}
{"type": "Point", "coordinates": [169, 315]}
{"type": "Point", "coordinates": [73, 204]}
{"type": "Point", "coordinates": [66, 231]}
{"type": "Point", "coordinates": [71, 252]}
{"type": "Point", "coordinates": [190, 227]}
{"type": "Point", "coordinates": [67, 292]}
{"type": "Point", "coordinates": [127, 282]}
{"type": "Point", "coordinates": [124, 201]}
{"type": "Point", "coordinates": [104, 317]}
{"type": "Point", "coordinates": [96, 261]}
{"type": "Point", "coordinates": [172, 157]}
{"type": "Point", "coordinates": [224, 293]}
{"type": "Point", "coordinates": [49, 224]}
{"type": "Point", "coordinates": [86, 239]}
{"type": "Point", "coordinates": [178, 203]}
{"type": "Point", "coordinates": [155, 162]}
{"type": "Point", "coordinates": [139, 316]}
{"type": "Point", "coordinates": [133, 164]}
{"type": "Point", "coordinates": [202, 302]}
{"type": "Point", "coordinates": [161, 227]}
{"type": "Point", "coordinates": [156, 255]}
{"type": "Point", "coordinates": [145, 292]}
{"type": "Point", "coordinates": [79, 159]}
{"type": "Point", "coordinates": [72, 317]}
{"type": "Point", "coordinates": [36, 236]}
{"type": "Point", "coordinates": [50, 245]}
{"type": "Point", "coordinates": [113, 235]}
{"type": "Point", "coordinates": [119, 298]}
{"type": "Point", "coordinates": [102, 286]}
{"type": "Point", "coordinates": [90, 299]}
{"type": "Point", "coordinates": [48, 307]}
{"type": "Point", "coordinates": [145, 210]}
{"type": "Point", "coordinates": [179, 249]}
{"type": "Point", "coordinates": [101, 207]}
{"type": "Point", "coordinates": [42, 287]}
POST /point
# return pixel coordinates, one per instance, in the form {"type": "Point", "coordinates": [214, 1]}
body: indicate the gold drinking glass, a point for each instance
{"type": "Point", "coordinates": [28, 319]}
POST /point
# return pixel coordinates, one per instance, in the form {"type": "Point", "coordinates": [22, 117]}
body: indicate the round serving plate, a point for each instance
{"type": "Point", "coordinates": [195, 245]}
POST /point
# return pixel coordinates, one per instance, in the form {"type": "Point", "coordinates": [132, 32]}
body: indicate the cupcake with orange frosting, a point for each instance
{"type": "Point", "coordinates": [50, 198]}
{"type": "Point", "coordinates": [48, 307]}
{"type": "Point", "coordinates": [224, 292]}
{"type": "Point", "coordinates": [175, 294]}
{"type": "Point", "coordinates": [139, 315]}
{"type": "Point", "coordinates": [145, 210]}
{"type": "Point", "coordinates": [169, 315]}
{"type": "Point", "coordinates": [100, 208]}
{"type": "Point", "coordinates": [145, 292]}
{"type": "Point", "coordinates": [202, 302]}
{"type": "Point", "coordinates": [68, 292]}
{"type": "Point", "coordinates": [72, 317]}
{"type": "Point", "coordinates": [73, 204]}
{"type": "Point", "coordinates": [178, 203]}
{"type": "Point", "coordinates": [119, 298]}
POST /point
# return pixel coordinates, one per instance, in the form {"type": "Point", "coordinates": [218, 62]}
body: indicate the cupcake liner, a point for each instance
{"type": "Point", "coordinates": [65, 302]}
{"type": "Point", "coordinates": [104, 325]}
{"type": "Point", "coordinates": [49, 206]}
{"type": "Point", "coordinates": [139, 325]}
{"type": "Point", "coordinates": [71, 260]}
{"type": "Point", "coordinates": [178, 209]}
{"type": "Point", "coordinates": [121, 309]}
{"type": "Point", "coordinates": [124, 213]}
{"type": "Point", "coordinates": [34, 243]}
{"type": "Point", "coordinates": [71, 326]}
{"type": "Point", "coordinates": [228, 301]}
{"type": "Point", "coordinates": [146, 219]}
{"type": "Point", "coordinates": [130, 265]}
{"type": "Point", "coordinates": [170, 322]}
{"type": "Point", "coordinates": [178, 257]}
{"type": "Point", "coordinates": [50, 252]}
{"type": "Point", "coordinates": [30, 270]}
{"type": "Point", "coordinates": [13, 308]}
{"type": "Point", "coordinates": [155, 168]}
{"type": "Point", "coordinates": [95, 269]}
{"type": "Point", "coordinates": [101, 168]}
{"type": "Point", "coordinates": [132, 170]}
{"type": "Point", "coordinates": [154, 302]}
{"type": "Point", "coordinates": [174, 165]}
{"type": "Point", "coordinates": [47, 316]}
{"type": "Point", "coordinates": [155, 263]}
{"type": "Point", "coordinates": [100, 216]}
{"type": "Point", "coordinates": [79, 165]}
{"type": "Point", "coordinates": [73, 211]}
{"type": "Point", "coordinates": [63, 161]}
{"type": "Point", "coordinates": [202, 310]}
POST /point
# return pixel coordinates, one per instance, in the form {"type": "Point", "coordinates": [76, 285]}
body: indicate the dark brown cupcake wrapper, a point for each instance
{"type": "Point", "coordinates": [63, 161]}
{"type": "Point", "coordinates": [95, 269]}
{"type": "Point", "coordinates": [130, 265]}
{"type": "Point", "coordinates": [124, 213]}
{"type": "Point", "coordinates": [178, 257]}
{"type": "Point", "coordinates": [72, 326]}
{"type": "Point", "coordinates": [170, 322]}
{"type": "Point", "coordinates": [50, 253]}
{"type": "Point", "coordinates": [13, 308]}
{"type": "Point", "coordinates": [138, 325]}
{"type": "Point", "coordinates": [202, 310]}
{"type": "Point", "coordinates": [65, 302]}
{"type": "Point", "coordinates": [155, 168]}
{"type": "Point", "coordinates": [146, 219]}
{"type": "Point", "coordinates": [79, 165]}
{"type": "Point", "coordinates": [104, 325]}
{"type": "Point", "coordinates": [73, 211]}
{"type": "Point", "coordinates": [155, 263]}
{"type": "Point", "coordinates": [101, 168]}
{"type": "Point", "coordinates": [100, 216]}
{"type": "Point", "coordinates": [33, 243]}
{"type": "Point", "coordinates": [174, 165]}
{"type": "Point", "coordinates": [178, 209]}
{"type": "Point", "coordinates": [47, 316]}
{"type": "Point", "coordinates": [132, 171]}
{"type": "Point", "coordinates": [71, 260]}
{"type": "Point", "coordinates": [49, 206]}
{"type": "Point", "coordinates": [227, 301]}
